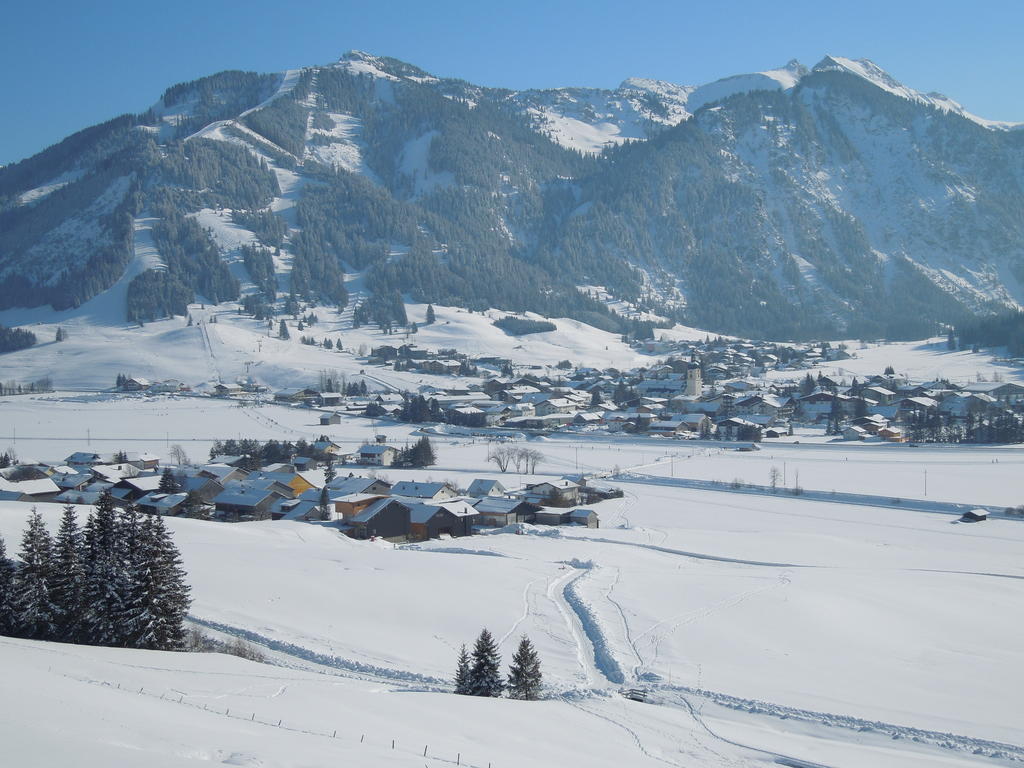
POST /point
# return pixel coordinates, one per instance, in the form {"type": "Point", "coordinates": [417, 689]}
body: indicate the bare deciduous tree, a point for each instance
{"type": "Point", "coordinates": [532, 458]}
{"type": "Point", "coordinates": [502, 456]}
{"type": "Point", "coordinates": [178, 455]}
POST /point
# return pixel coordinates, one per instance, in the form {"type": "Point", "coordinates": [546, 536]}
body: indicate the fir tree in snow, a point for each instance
{"type": "Point", "coordinates": [421, 454]}
{"type": "Point", "coordinates": [34, 611]}
{"type": "Point", "coordinates": [134, 619]}
{"type": "Point", "coordinates": [105, 582]}
{"type": "Point", "coordinates": [324, 504]}
{"type": "Point", "coordinates": [68, 573]}
{"type": "Point", "coordinates": [462, 672]}
{"type": "Point", "coordinates": [194, 506]}
{"type": "Point", "coordinates": [142, 612]}
{"type": "Point", "coordinates": [282, 330]}
{"type": "Point", "coordinates": [431, 317]}
{"type": "Point", "coordinates": [172, 601]}
{"type": "Point", "coordinates": [329, 471]}
{"type": "Point", "coordinates": [6, 591]}
{"type": "Point", "coordinates": [485, 668]}
{"type": "Point", "coordinates": [524, 678]}
{"type": "Point", "coordinates": [168, 482]}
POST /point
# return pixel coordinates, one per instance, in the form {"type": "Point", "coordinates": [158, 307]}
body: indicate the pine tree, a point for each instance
{"type": "Point", "coordinates": [104, 579]}
{"type": "Point", "coordinates": [35, 613]}
{"type": "Point", "coordinates": [194, 507]}
{"type": "Point", "coordinates": [524, 678]}
{"type": "Point", "coordinates": [462, 672]}
{"type": "Point", "coordinates": [7, 623]}
{"type": "Point", "coordinates": [329, 471]}
{"type": "Point", "coordinates": [282, 330]}
{"type": "Point", "coordinates": [68, 576]}
{"type": "Point", "coordinates": [168, 482]}
{"type": "Point", "coordinates": [485, 670]}
{"type": "Point", "coordinates": [325, 504]}
{"type": "Point", "coordinates": [422, 453]}
{"type": "Point", "coordinates": [142, 612]}
{"type": "Point", "coordinates": [172, 601]}
{"type": "Point", "coordinates": [431, 317]}
{"type": "Point", "coordinates": [132, 618]}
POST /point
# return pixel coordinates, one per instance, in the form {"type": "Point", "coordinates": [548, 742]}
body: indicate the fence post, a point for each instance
{"type": "Point", "coordinates": [335, 734]}
{"type": "Point", "coordinates": [278, 723]}
{"type": "Point", "coordinates": [361, 738]}
{"type": "Point", "coordinates": [458, 759]}
{"type": "Point", "coordinates": [425, 750]}
{"type": "Point", "coordinates": [253, 718]}
{"type": "Point", "coordinates": [392, 743]}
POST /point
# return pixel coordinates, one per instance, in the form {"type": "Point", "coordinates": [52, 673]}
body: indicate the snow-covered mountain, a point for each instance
{"type": "Point", "coordinates": [787, 202]}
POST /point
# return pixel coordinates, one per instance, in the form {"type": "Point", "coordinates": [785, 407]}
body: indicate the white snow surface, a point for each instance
{"type": "Point", "coordinates": [868, 70]}
{"type": "Point", "coordinates": [821, 630]}
{"type": "Point", "coordinates": [855, 622]}
{"type": "Point", "coordinates": [782, 79]}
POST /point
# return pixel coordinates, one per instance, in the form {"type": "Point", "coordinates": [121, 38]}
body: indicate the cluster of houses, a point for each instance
{"type": "Point", "coordinates": [674, 400]}
{"type": "Point", "coordinates": [714, 388]}
{"type": "Point", "coordinates": [361, 506]}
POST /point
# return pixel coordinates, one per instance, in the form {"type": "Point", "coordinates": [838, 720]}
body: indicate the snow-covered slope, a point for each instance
{"type": "Point", "coordinates": [825, 632]}
{"type": "Point", "coordinates": [872, 73]}
{"type": "Point", "coordinates": [781, 79]}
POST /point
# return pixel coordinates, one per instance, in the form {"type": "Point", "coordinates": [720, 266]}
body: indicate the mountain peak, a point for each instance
{"type": "Point", "coordinates": [867, 70]}
{"type": "Point", "coordinates": [357, 55]}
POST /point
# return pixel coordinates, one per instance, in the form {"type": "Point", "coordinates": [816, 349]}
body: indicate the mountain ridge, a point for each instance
{"type": "Point", "coordinates": [372, 172]}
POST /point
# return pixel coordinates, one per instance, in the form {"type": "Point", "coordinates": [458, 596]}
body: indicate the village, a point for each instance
{"type": "Point", "coordinates": [305, 489]}
{"type": "Point", "coordinates": [712, 389]}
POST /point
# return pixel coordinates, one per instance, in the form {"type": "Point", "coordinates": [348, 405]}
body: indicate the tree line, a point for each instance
{"type": "Point", "coordinates": [116, 581]}
{"type": "Point", "coordinates": [13, 339]}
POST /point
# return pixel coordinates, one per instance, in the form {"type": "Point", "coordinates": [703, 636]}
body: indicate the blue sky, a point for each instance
{"type": "Point", "coordinates": [68, 65]}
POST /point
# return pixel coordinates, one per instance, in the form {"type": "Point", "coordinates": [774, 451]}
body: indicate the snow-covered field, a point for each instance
{"type": "Point", "coordinates": [828, 632]}
{"type": "Point", "coordinates": [766, 627]}
{"type": "Point", "coordinates": [100, 344]}
{"type": "Point", "coordinates": [825, 633]}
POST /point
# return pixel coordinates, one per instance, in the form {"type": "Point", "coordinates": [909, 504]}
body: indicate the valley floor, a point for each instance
{"type": "Point", "coordinates": [764, 629]}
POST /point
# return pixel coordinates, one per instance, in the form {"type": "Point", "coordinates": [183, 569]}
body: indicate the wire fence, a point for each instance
{"type": "Point", "coordinates": [342, 735]}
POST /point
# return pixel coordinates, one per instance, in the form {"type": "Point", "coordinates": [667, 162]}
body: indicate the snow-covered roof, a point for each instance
{"type": "Point", "coordinates": [497, 504]}
{"type": "Point", "coordinates": [418, 490]}
{"type": "Point", "coordinates": [374, 449]}
{"type": "Point", "coordinates": [143, 482]}
{"type": "Point", "coordinates": [162, 500]}
{"type": "Point", "coordinates": [30, 487]}
{"type": "Point", "coordinates": [485, 487]}
{"type": "Point", "coordinates": [238, 495]}
{"type": "Point", "coordinates": [371, 511]}
{"type": "Point", "coordinates": [354, 484]}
